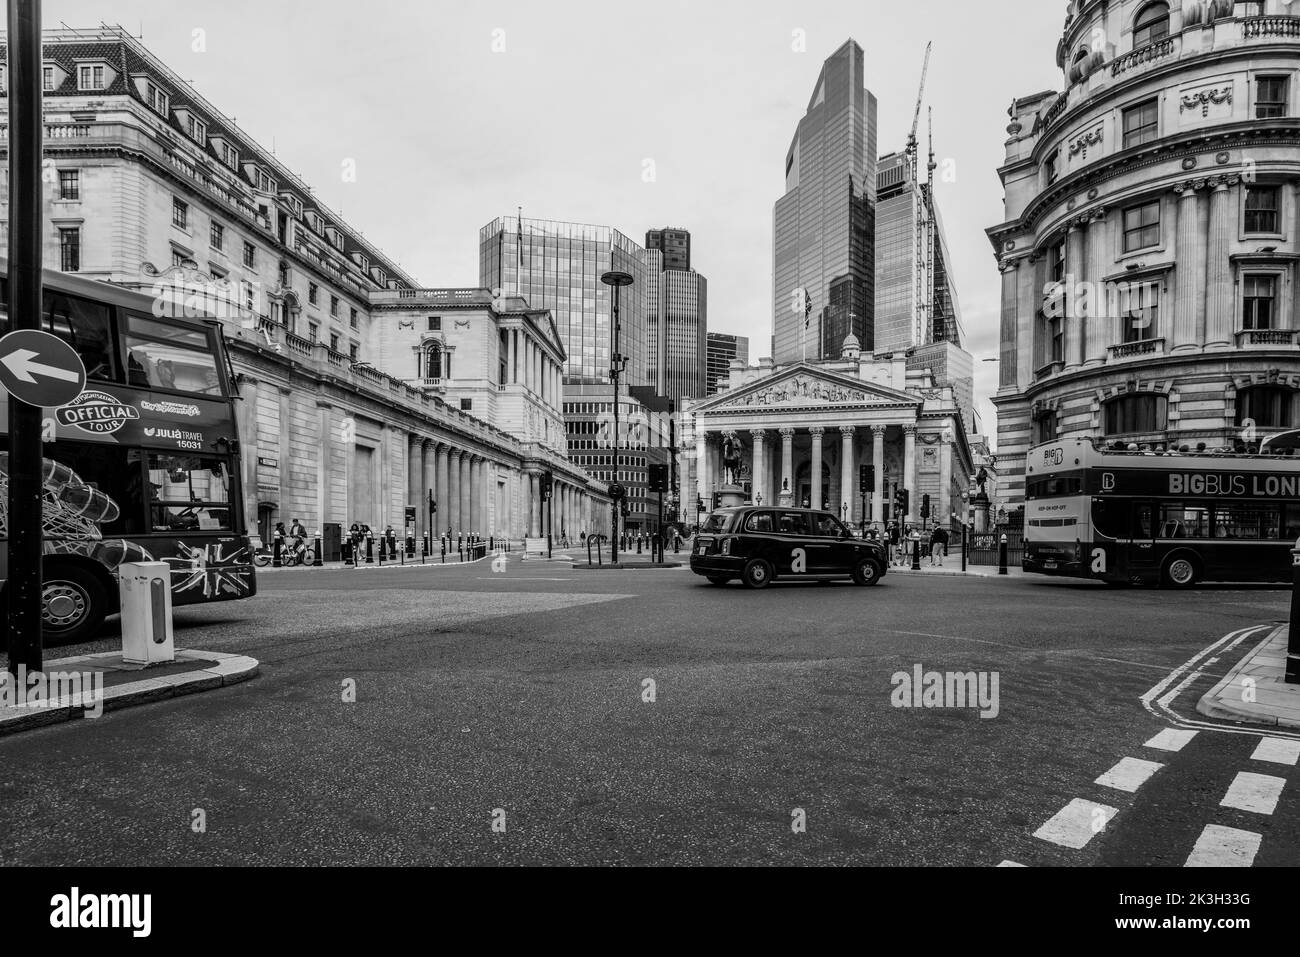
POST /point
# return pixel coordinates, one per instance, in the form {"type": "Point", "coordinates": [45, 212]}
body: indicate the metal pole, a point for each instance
{"type": "Point", "coordinates": [1293, 629]}
{"type": "Point", "coordinates": [963, 546]}
{"type": "Point", "coordinates": [1002, 555]}
{"type": "Point", "coordinates": [26, 134]}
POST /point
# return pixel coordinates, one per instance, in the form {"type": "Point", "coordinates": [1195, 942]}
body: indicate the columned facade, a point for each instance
{"type": "Point", "coordinates": [1149, 252]}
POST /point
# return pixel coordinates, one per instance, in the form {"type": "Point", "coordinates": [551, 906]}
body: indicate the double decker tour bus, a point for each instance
{"type": "Point", "coordinates": [1171, 518]}
{"type": "Point", "coordinates": [142, 466]}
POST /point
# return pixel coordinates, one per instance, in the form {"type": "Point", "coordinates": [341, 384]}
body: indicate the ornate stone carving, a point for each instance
{"type": "Point", "coordinates": [1091, 138]}
{"type": "Point", "coordinates": [1203, 99]}
{"type": "Point", "coordinates": [801, 388]}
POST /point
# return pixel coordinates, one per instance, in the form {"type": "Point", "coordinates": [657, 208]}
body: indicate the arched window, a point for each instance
{"type": "Point", "coordinates": [1267, 406]}
{"type": "Point", "coordinates": [1152, 24]}
{"type": "Point", "coordinates": [1135, 413]}
{"type": "Point", "coordinates": [433, 364]}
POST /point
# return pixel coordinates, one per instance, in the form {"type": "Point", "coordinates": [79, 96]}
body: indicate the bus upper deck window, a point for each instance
{"type": "Point", "coordinates": [84, 325]}
{"type": "Point", "coordinates": [164, 356]}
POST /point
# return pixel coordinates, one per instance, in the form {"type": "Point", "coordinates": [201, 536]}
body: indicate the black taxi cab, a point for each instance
{"type": "Point", "coordinates": [759, 544]}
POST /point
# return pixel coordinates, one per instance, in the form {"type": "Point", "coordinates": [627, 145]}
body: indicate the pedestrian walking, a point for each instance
{"type": "Point", "coordinates": [938, 545]}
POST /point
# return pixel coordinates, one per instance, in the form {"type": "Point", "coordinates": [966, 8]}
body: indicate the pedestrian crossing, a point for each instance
{"type": "Point", "coordinates": [1249, 786]}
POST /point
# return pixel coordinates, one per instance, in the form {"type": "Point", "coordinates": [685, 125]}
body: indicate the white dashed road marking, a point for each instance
{"type": "Point", "coordinates": [1076, 824]}
{"type": "Point", "coordinates": [1277, 751]}
{"type": "Point", "coordinates": [1129, 775]}
{"type": "Point", "coordinates": [1257, 793]}
{"type": "Point", "coordinates": [1220, 846]}
{"type": "Point", "coordinates": [1171, 739]}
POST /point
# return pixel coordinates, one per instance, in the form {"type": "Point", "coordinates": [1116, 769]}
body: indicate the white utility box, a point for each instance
{"type": "Point", "coordinates": [146, 592]}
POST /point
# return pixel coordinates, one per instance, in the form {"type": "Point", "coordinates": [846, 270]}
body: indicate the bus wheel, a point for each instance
{"type": "Point", "coordinates": [1180, 571]}
{"type": "Point", "coordinates": [73, 605]}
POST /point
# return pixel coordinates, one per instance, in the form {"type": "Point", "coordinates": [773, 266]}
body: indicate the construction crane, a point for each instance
{"type": "Point", "coordinates": [923, 241]}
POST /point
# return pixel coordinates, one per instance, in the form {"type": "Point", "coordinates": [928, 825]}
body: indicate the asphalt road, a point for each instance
{"type": "Point", "coordinates": [519, 698]}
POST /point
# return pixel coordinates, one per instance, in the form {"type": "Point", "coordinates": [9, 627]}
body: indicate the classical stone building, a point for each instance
{"type": "Point", "coordinates": [805, 421]}
{"type": "Point", "coordinates": [1149, 249]}
{"type": "Point", "coordinates": [345, 415]}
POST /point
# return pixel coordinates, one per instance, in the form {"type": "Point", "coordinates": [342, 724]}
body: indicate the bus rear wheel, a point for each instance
{"type": "Point", "coordinates": [73, 605]}
{"type": "Point", "coordinates": [1180, 571]}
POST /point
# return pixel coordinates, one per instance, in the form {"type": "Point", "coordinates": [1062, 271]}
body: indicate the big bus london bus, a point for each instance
{"type": "Point", "coordinates": [1174, 518]}
{"type": "Point", "coordinates": [142, 466]}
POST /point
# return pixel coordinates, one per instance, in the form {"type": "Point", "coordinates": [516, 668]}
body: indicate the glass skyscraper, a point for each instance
{"type": "Point", "coordinates": [557, 266]}
{"type": "Point", "coordinates": [722, 348]}
{"type": "Point", "coordinates": [824, 228]}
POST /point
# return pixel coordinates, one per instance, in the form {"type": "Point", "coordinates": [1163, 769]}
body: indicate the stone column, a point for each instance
{"type": "Point", "coordinates": [1218, 270]}
{"type": "Point", "coordinates": [428, 455]}
{"type": "Point", "coordinates": [760, 448]}
{"type": "Point", "coordinates": [475, 495]}
{"type": "Point", "coordinates": [511, 341]}
{"type": "Point", "coordinates": [1074, 272]}
{"type": "Point", "coordinates": [909, 470]}
{"type": "Point", "coordinates": [878, 459]}
{"type": "Point", "coordinates": [1098, 320]}
{"type": "Point", "coordinates": [1187, 331]}
{"type": "Point", "coordinates": [452, 506]}
{"type": "Point", "coordinates": [847, 478]}
{"type": "Point", "coordinates": [945, 480]}
{"type": "Point", "coordinates": [534, 505]}
{"type": "Point", "coordinates": [786, 492]}
{"type": "Point", "coordinates": [815, 473]}
{"type": "Point", "coordinates": [324, 468]}
{"type": "Point", "coordinates": [443, 518]}
{"type": "Point", "coordinates": [414, 469]}
{"type": "Point", "coordinates": [701, 470]}
{"type": "Point", "coordinates": [463, 505]}
{"type": "Point", "coordinates": [246, 416]}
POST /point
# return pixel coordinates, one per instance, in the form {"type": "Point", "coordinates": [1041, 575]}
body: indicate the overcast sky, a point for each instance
{"type": "Point", "coordinates": [448, 133]}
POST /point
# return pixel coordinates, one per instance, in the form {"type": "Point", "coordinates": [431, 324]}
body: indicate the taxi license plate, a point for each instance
{"type": "Point", "coordinates": [1049, 564]}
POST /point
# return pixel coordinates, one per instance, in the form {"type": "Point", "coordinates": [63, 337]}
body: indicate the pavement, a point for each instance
{"type": "Point", "coordinates": [1255, 691]}
{"type": "Point", "coordinates": [650, 718]}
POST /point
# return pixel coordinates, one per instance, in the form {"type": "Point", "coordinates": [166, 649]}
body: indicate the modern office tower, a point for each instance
{"type": "Point", "coordinates": [903, 278]}
{"type": "Point", "coordinates": [675, 244]}
{"type": "Point", "coordinates": [824, 229]}
{"type": "Point", "coordinates": [1148, 253]}
{"type": "Point", "coordinates": [721, 349]}
{"type": "Point", "coordinates": [557, 266]}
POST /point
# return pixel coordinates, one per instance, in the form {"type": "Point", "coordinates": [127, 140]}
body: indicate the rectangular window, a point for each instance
{"type": "Point", "coordinates": [1052, 171]}
{"type": "Point", "coordinates": [313, 332]}
{"type": "Point", "coordinates": [1261, 209]}
{"type": "Point", "coordinates": [1247, 522]}
{"type": "Point", "coordinates": [467, 405]}
{"type": "Point", "coordinates": [435, 323]}
{"type": "Point", "coordinates": [1142, 226]}
{"type": "Point", "coordinates": [334, 342]}
{"type": "Point", "coordinates": [1271, 96]}
{"type": "Point", "coordinates": [115, 472]}
{"type": "Point", "coordinates": [1258, 302]}
{"type": "Point", "coordinates": [178, 258]}
{"type": "Point", "coordinates": [90, 76]}
{"type": "Point", "coordinates": [250, 255]}
{"type": "Point", "coordinates": [70, 249]}
{"type": "Point", "coordinates": [84, 325]}
{"type": "Point", "coordinates": [197, 129]}
{"type": "Point", "coordinates": [353, 351]}
{"type": "Point", "coordinates": [180, 214]}
{"type": "Point", "coordinates": [1181, 521]}
{"type": "Point", "coordinates": [217, 236]}
{"type": "Point", "coordinates": [156, 98]}
{"type": "Point", "coordinates": [164, 356]}
{"type": "Point", "coordinates": [313, 293]}
{"type": "Point", "coordinates": [188, 493]}
{"type": "Point", "coordinates": [1141, 123]}
{"type": "Point", "coordinates": [1141, 313]}
{"type": "Point", "coordinates": [69, 184]}
{"type": "Point", "coordinates": [1249, 8]}
{"type": "Point", "coordinates": [792, 523]}
{"type": "Point", "coordinates": [334, 305]}
{"type": "Point", "coordinates": [47, 79]}
{"type": "Point", "coordinates": [230, 156]}
{"type": "Point", "coordinates": [352, 318]}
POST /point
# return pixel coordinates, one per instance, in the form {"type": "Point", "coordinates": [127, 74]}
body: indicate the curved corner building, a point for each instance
{"type": "Point", "coordinates": [1149, 252]}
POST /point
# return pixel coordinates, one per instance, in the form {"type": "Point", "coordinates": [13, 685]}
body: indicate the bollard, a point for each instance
{"type": "Point", "coordinates": [638, 544]}
{"type": "Point", "coordinates": [1002, 555]}
{"type": "Point", "coordinates": [316, 561]}
{"type": "Point", "coordinates": [963, 546]}
{"type": "Point", "coordinates": [277, 559]}
{"type": "Point", "coordinates": [1293, 632]}
{"type": "Point", "coordinates": [370, 549]}
{"type": "Point", "coordinates": [382, 549]}
{"type": "Point", "coordinates": [916, 551]}
{"type": "Point", "coordinates": [444, 551]}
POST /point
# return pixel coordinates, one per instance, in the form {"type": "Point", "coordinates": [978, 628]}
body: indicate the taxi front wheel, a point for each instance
{"type": "Point", "coordinates": [866, 572]}
{"type": "Point", "coordinates": [757, 573]}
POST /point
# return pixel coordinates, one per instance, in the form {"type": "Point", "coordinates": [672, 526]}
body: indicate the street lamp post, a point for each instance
{"type": "Point", "coordinates": [616, 361]}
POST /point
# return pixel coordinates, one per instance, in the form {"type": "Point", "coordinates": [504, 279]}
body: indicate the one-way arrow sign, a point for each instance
{"type": "Point", "coordinates": [40, 369]}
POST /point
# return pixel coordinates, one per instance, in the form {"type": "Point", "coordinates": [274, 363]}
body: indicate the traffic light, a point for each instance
{"type": "Point", "coordinates": [866, 477]}
{"type": "Point", "coordinates": [717, 501]}
{"type": "Point", "coordinates": [925, 505]}
{"type": "Point", "coordinates": [902, 501]}
{"type": "Point", "coordinates": [548, 478]}
{"type": "Point", "coordinates": [658, 478]}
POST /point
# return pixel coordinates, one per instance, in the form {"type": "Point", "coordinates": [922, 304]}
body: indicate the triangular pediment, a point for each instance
{"type": "Point", "coordinates": [804, 385]}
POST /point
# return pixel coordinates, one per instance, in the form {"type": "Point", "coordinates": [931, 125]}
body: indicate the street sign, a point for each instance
{"type": "Point", "coordinates": [40, 369]}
